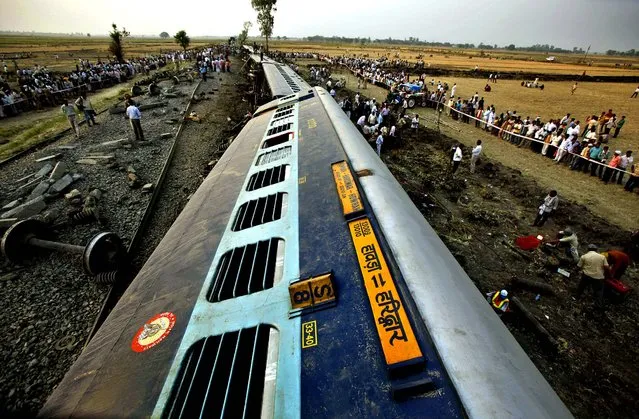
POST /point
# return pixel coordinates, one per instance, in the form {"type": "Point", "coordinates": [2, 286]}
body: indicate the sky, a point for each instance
{"type": "Point", "coordinates": [604, 24]}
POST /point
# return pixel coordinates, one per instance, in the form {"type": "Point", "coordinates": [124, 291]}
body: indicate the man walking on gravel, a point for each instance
{"type": "Point", "coordinates": [84, 104]}
{"type": "Point", "coordinates": [69, 111]}
{"type": "Point", "coordinates": [134, 115]}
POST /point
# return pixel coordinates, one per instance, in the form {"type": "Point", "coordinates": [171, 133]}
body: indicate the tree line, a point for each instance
{"type": "Point", "coordinates": [629, 53]}
{"type": "Point", "coordinates": [416, 41]}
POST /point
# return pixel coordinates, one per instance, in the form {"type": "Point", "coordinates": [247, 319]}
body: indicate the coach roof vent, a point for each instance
{"type": "Point", "coordinates": [275, 155]}
{"type": "Point", "coordinates": [260, 211]}
{"type": "Point", "coordinates": [280, 139]}
{"type": "Point", "coordinates": [224, 376]}
{"type": "Point", "coordinates": [247, 269]}
{"type": "Point", "coordinates": [268, 177]}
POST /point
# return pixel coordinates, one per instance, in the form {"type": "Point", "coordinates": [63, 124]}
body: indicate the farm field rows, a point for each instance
{"type": "Point", "coordinates": [460, 59]}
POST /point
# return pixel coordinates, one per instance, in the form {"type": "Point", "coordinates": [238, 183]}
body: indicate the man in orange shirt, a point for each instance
{"type": "Point", "coordinates": [612, 166]}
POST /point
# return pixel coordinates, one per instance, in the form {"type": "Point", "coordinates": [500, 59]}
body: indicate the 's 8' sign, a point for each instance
{"type": "Point", "coordinates": [311, 292]}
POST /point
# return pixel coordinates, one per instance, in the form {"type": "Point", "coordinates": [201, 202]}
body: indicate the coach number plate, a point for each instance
{"type": "Point", "coordinates": [393, 327]}
{"type": "Point", "coordinates": [347, 189]}
{"type": "Point", "coordinates": [312, 292]}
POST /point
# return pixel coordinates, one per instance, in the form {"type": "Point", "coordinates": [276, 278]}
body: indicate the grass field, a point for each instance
{"type": "Point", "coordinates": [69, 50]}
{"type": "Point", "coordinates": [460, 59]}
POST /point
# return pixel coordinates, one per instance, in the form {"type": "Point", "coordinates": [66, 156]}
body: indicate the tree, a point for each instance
{"type": "Point", "coordinates": [511, 47]}
{"type": "Point", "coordinates": [89, 35]}
{"type": "Point", "coordinates": [241, 38]}
{"type": "Point", "coordinates": [117, 42]}
{"type": "Point", "coordinates": [164, 35]}
{"type": "Point", "coordinates": [182, 39]}
{"type": "Point", "coordinates": [265, 18]}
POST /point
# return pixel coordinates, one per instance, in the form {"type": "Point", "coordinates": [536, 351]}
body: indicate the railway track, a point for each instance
{"type": "Point", "coordinates": [119, 286]}
{"type": "Point", "coordinates": [53, 283]}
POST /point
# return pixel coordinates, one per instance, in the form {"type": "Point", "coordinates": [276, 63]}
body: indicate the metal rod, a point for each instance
{"type": "Point", "coordinates": [63, 247]}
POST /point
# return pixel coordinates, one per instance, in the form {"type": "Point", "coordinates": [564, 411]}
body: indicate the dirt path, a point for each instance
{"type": "Point", "coordinates": [608, 201]}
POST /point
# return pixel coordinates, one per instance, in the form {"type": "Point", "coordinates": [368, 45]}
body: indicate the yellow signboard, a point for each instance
{"type": "Point", "coordinates": [393, 327]}
{"type": "Point", "coordinates": [312, 292]}
{"type": "Point", "coordinates": [347, 189]}
{"type": "Point", "coordinates": [309, 334]}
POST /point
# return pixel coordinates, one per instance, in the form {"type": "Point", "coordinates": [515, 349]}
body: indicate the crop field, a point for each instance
{"type": "Point", "coordinates": [493, 60]}
{"type": "Point", "coordinates": [61, 54]}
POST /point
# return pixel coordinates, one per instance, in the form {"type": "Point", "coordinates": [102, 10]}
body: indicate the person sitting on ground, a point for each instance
{"type": "Point", "coordinates": [487, 88]}
{"type": "Point", "coordinates": [499, 301]}
{"type": "Point", "coordinates": [550, 204]}
{"type": "Point", "coordinates": [568, 239]}
{"type": "Point", "coordinates": [594, 268]}
{"type": "Point", "coordinates": [415, 122]}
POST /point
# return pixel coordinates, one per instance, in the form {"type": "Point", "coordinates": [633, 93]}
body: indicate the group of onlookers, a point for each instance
{"type": "Point", "coordinates": [38, 87]}
{"type": "Point", "coordinates": [586, 147]}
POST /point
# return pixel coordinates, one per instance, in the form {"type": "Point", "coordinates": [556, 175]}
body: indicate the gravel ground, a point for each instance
{"type": "Point", "coordinates": [197, 150]}
{"type": "Point", "coordinates": [47, 306]}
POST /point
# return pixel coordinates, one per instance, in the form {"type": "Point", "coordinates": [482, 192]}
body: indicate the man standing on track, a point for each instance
{"type": "Point", "coordinates": [574, 87]}
{"type": "Point", "coordinates": [631, 96]}
{"type": "Point", "coordinates": [135, 115]}
{"type": "Point", "coordinates": [69, 111]}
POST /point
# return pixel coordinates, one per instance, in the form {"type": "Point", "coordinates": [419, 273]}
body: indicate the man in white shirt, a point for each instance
{"type": "Point", "coordinates": [475, 156]}
{"type": "Point", "coordinates": [457, 157]}
{"type": "Point", "coordinates": [594, 267]}
{"type": "Point", "coordinates": [134, 115]}
{"type": "Point", "coordinates": [361, 121]}
{"type": "Point", "coordinates": [379, 142]}
{"type": "Point", "coordinates": [452, 91]}
{"type": "Point", "coordinates": [626, 161]}
{"type": "Point", "coordinates": [69, 111]}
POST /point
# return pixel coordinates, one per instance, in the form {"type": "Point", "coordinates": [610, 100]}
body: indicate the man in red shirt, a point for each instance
{"type": "Point", "coordinates": [618, 262]}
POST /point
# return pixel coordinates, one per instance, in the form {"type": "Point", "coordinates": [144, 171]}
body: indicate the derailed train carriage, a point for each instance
{"type": "Point", "coordinates": [301, 281]}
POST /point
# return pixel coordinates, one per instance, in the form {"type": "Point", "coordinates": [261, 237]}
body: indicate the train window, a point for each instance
{"type": "Point", "coordinates": [268, 177]}
{"type": "Point", "coordinates": [225, 376]}
{"type": "Point", "coordinates": [260, 211]}
{"type": "Point", "coordinates": [288, 97]}
{"type": "Point", "coordinates": [271, 156]}
{"type": "Point", "coordinates": [281, 115]}
{"type": "Point", "coordinates": [247, 269]}
{"type": "Point", "coordinates": [282, 138]}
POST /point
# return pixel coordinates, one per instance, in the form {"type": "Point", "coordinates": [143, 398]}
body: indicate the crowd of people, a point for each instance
{"type": "Point", "coordinates": [587, 147]}
{"type": "Point", "coordinates": [38, 87]}
{"type": "Point", "coordinates": [213, 60]}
